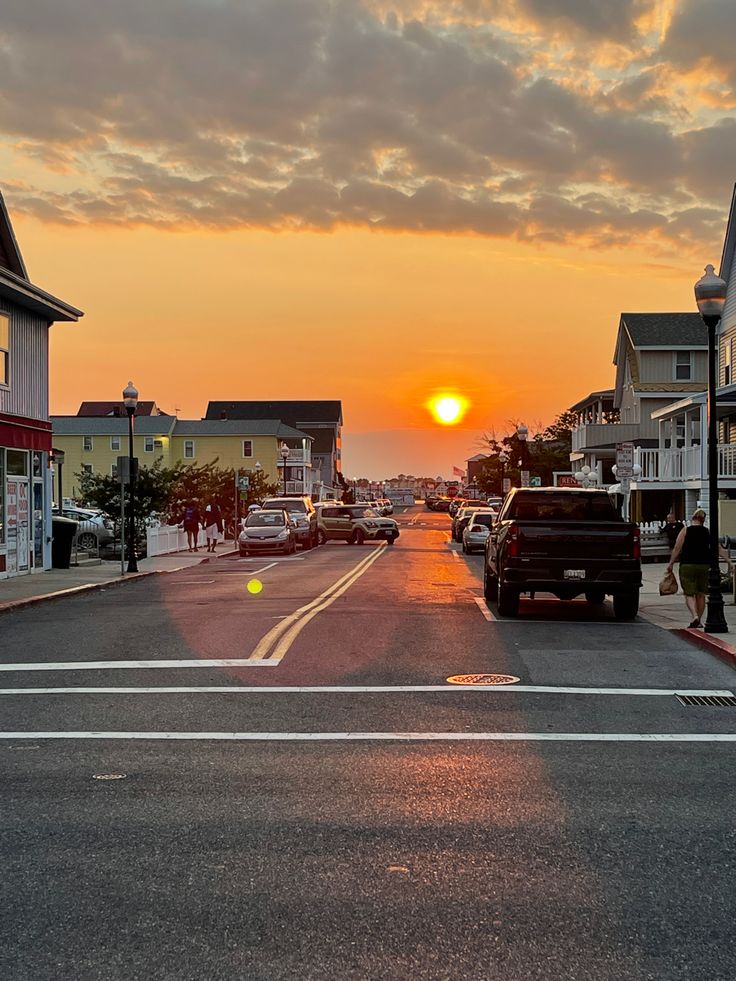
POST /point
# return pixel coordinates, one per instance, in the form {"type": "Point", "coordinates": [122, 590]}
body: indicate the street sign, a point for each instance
{"type": "Point", "coordinates": [535, 482]}
{"type": "Point", "coordinates": [506, 485]}
{"type": "Point", "coordinates": [243, 482]}
{"type": "Point", "coordinates": [123, 467]}
{"type": "Point", "coordinates": [524, 478]}
{"type": "Point", "coordinates": [624, 459]}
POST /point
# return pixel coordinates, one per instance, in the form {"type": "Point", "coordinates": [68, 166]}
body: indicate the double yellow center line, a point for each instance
{"type": "Point", "coordinates": [275, 645]}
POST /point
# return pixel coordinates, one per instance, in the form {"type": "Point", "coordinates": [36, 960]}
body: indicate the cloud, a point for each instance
{"type": "Point", "coordinates": [469, 116]}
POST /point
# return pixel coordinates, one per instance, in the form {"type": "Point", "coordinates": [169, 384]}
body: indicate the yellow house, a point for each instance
{"type": "Point", "coordinates": [94, 444]}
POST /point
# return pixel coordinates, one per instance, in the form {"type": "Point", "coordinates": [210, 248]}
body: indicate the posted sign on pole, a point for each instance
{"type": "Point", "coordinates": [624, 465]}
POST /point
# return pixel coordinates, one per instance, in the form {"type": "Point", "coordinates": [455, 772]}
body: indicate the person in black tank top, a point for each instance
{"type": "Point", "coordinates": [692, 550]}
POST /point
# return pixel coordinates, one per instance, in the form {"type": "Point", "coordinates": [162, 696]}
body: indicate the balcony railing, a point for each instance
{"type": "Point", "coordinates": [684, 464]}
{"type": "Point", "coordinates": [295, 458]}
{"type": "Point", "coordinates": [593, 434]}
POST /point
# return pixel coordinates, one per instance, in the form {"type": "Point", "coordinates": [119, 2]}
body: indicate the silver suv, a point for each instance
{"type": "Point", "coordinates": [302, 513]}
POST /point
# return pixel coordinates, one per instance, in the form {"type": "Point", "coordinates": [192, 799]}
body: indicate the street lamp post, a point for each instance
{"type": "Point", "coordinates": [503, 459]}
{"type": "Point", "coordinates": [284, 456]}
{"type": "Point", "coordinates": [710, 295]}
{"type": "Point", "coordinates": [522, 434]}
{"type": "Point", "coordinates": [130, 401]}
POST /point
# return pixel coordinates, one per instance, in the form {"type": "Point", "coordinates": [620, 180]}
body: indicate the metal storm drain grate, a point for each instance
{"type": "Point", "coordinates": [482, 679]}
{"type": "Point", "coordinates": [726, 701]}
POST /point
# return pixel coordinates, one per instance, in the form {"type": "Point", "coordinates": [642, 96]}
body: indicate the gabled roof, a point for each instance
{"type": "Point", "coordinates": [15, 285]}
{"type": "Point", "coordinates": [293, 412]}
{"type": "Point", "coordinates": [118, 409]}
{"type": "Point", "coordinates": [237, 427]}
{"type": "Point", "coordinates": [10, 257]}
{"type": "Point", "coordinates": [729, 243]}
{"type": "Point", "coordinates": [111, 425]}
{"type": "Point", "coordinates": [666, 329]}
{"type": "Point", "coordinates": [606, 395]}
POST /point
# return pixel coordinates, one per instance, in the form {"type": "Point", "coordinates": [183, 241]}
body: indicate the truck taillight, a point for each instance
{"type": "Point", "coordinates": [512, 544]}
{"type": "Point", "coordinates": [636, 544]}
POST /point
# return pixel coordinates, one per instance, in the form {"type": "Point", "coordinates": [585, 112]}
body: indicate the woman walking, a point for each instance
{"type": "Point", "coordinates": [212, 525]}
{"type": "Point", "coordinates": [191, 522]}
{"type": "Point", "coordinates": [692, 550]}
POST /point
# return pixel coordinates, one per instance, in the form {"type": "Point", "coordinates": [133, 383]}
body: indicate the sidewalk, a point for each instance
{"type": "Point", "coordinates": [671, 613]}
{"type": "Point", "coordinates": [24, 590]}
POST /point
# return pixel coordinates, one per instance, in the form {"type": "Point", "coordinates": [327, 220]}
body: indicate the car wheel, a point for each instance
{"type": "Point", "coordinates": [321, 537]}
{"type": "Point", "coordinates": [87, 541]}
{"type": "Point", "coordinates": [595, 596]}
{"type": "Point", "coordinates": [490, 586]}
{"type": "Point", "coordinates": [243, 554]}
{"type": "Point", "coordinates": [465, 549]}
{"type": "Point", "coordinates": [307, 543]}
{"type": "Point", "coordinates": [390, 539]}
{"type": "Point", "coordinates": [508, 601]}
{"type": "Point", "coordinates": [625, 605]}
{"type": "Point", "coordinates": [358, 536]}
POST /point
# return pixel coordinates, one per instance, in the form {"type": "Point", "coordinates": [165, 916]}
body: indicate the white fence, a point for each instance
{"type": "Point", "coordinates": [165, 539]}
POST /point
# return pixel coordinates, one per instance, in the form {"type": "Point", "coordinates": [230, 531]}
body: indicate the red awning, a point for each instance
{"type": "Point", "coordinates": [19, 433]}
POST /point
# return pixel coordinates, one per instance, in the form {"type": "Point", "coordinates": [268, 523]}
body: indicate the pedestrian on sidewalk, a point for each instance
{"type": "Point", "coordinates": [692, 550]}
{"type": "Point", "coordinates": [672, 528]}
{"type": "Point", "coordinates": [191, 522]}
{"type": "Point", "coordinates": [212, 525]}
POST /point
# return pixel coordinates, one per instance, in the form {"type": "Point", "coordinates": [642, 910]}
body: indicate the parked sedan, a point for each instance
{"type": "Point", "coordinates": [477, 531]}
{"type": "Point", "coordinates": [94, 530]}
{"type": "Point", "coordinates": [267, 531]}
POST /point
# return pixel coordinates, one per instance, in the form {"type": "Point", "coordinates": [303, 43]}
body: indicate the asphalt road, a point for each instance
{"type": "Point", "coordinates": [199, 781]}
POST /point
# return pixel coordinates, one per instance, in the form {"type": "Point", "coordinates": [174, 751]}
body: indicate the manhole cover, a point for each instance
{"type": "Point", "coordinates": [109, 776]}
{"type": "Point", "coordinates": [482, 679]}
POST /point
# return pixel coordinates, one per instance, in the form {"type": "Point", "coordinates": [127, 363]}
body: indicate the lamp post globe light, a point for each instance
{"type": "Point", "coordinates": [130, 401]}
{"type": "Point", "coordinates": [710, 296]}
{"type": "Point", "coordinates": [586, 477]}
{"type": "Point", "coordinates": [284, 451]}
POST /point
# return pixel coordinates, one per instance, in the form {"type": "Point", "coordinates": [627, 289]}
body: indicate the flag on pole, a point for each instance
{"type": "Point", "coordinates": [457, 472]}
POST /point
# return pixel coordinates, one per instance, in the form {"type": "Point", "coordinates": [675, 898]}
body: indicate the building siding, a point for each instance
{"type": "Point", "coordinates": [29, 365]}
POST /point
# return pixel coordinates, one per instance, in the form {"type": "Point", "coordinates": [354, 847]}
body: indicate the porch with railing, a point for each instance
{"type": "Point", "coordinates": [684, 464]}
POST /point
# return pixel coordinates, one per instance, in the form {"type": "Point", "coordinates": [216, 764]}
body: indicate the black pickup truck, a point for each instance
{"type": "Point", "coordinates": [565, 541]}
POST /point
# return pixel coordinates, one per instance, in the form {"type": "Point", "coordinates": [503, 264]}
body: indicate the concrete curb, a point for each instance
{"type": "Point", "coordinates": [710, 643]}
{"type": "Point", "coordinates": [93, 586]}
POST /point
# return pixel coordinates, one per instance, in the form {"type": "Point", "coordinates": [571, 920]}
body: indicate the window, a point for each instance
{"type": "Point", "coordinates": [683, 365]}
{"type": "Point", "coordinates": [148, 444]}
{"type": "Point", "coordinates": [727, 361]}
{"type": "Point", "coordinates": [115, 443]}
{"type": "Point", "coordinates": [114, 471]}
{"type": "Point", "coordinates": [247, 447]}
{"type": "Point", "coordinates": [87, 444]}
{"type": "Point", "coordinates": [4, 349]}
{"type": "Point", "coordinates": [188, 449]}
{"type": "Point", "coordinates": [87, 468]}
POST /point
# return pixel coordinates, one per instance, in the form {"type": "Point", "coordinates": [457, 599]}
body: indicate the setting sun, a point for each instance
{"type": "Point", "coordinates": [448, 409]}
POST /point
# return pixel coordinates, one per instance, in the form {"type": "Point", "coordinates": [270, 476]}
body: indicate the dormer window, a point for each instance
{"type": "Point", "coordinates": [683, 365]}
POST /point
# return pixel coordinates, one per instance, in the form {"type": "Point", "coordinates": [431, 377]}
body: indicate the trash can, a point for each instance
{"type": "Point", "coordinates": [63, 531]}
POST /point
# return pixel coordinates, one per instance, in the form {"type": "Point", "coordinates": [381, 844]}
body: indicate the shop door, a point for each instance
{"type": "Point", "coordinates": [19, 528]}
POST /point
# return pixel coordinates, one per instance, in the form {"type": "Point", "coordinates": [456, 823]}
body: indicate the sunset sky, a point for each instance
{"type": "Point", "coordinates": [375, 201]}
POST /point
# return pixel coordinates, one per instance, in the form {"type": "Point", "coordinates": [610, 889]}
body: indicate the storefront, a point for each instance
{"type": "Point", "coordinates": [25, 498]}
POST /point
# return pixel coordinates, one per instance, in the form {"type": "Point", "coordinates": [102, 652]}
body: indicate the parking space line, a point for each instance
{"type": "Point", "coordinates": [484, 609]}
{"type": "Point", "coordinates": [518, 737]}
{"type": "Point", "coordinates": [222, 662]}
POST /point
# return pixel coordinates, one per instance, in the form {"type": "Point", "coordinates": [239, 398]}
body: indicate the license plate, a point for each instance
{"type": "Point", "coordinates": [574, 574]}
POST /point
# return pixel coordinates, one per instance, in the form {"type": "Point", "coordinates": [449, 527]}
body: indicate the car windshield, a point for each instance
{"type": "Point", "coordinates": [284, 505]}
{"type": "Point", "coordinates": [265, 519]}
{"type": "Point", "coordinates": [362, 512]}
{"type": "Point", "coordinates": [562, 507]}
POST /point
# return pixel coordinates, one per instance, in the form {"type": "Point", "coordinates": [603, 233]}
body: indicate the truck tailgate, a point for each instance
{"type": "Point", "coordinates": [573, 540]}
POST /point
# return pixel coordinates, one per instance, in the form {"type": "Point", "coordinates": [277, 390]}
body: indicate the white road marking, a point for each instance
{"type": "Point", "coordinates": [483, 607]}
{"type": "Point", "coordinates": [455, 556]}
{"type": "Point", "coordinates": [361, 690]}
{"type": "Point", "coordinates": [222, 662]}
{"type": "Point", "coordinates": [255, 572]}
{"type": "Point", "coordinates": [293, 624]}
{"type": "Point", "coordinates": [517, 737]}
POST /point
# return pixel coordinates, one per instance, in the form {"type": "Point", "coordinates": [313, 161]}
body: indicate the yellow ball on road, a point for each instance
{"type": "Point", "coordinates": [255, 586]}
